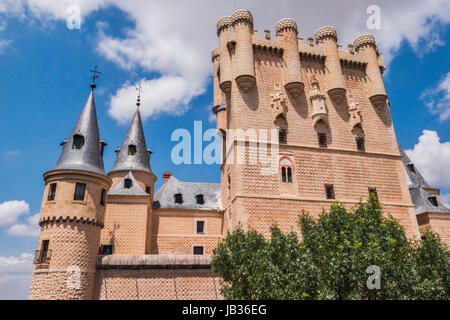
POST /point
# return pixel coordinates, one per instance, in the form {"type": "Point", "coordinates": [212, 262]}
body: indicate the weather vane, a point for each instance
{"type": "Point", "coordinates": [139, 89]}
{"type": "Point", "coordinates": [95, 76]}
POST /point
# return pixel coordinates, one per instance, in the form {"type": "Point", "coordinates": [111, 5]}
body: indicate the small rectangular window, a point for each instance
{"type": "Point", "coordinates": [198, 250]}
{"type": "Point", "coordinates": [131, 150]}
{"type": "Point", "coordinates": [80, 189]}
{"type": "Point", "coordinates": [106, 249]}
{"type": "Point", "coordinates": [148, 190]}
{"type": "Point", "coordinates": [51, 192]}
{"type": "Point", "coordinates": [127, 183]}
{"type": "Point", "coordinates": [103, 197]}
{"type": "Point", "coordinates": [178, 198]}
{"type": "Point", "coordinates": [200, 227]}
{"type": "Point", "coordinates": [200, 199]}
{"type": "Point", "coordinates": [43, 254]}
{"type": "Point", "coordinates": [360, 144]}
{"type": "Point", "coordinates": [322, 137]}
{"type": "Point", "coordinates": [282, 135]}
{"type": "Point", "coordinates": [329, 190]}
{"type": "Point", "coordinates": [433, 201]}
{"type": "Point", "coordinates": [373, 191]}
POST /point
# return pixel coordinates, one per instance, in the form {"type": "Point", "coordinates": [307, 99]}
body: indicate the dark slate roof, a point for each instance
{"type": "Point", "coordinates": [417, 183]}
{"type": "Point", "coordinates": [120, 190]}
{"type": "Point", "coordinates": [414, 178]}
{"type": "Point", "coordinates": [421, 203]}
{"type": "Point", "coordinates": [165, 196]}
{"type": "Point", "coordinates": [89, 157]}
{"type": "Point", "coordinates": [135, 136]}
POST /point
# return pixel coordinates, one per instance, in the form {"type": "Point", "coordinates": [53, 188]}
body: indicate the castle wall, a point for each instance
{"type": "Point", "coordinates": [184, 284]}
{"type": "Point", "coordinates": [174, 231]}
{"type": "Point", "coordinates": [127, 222]}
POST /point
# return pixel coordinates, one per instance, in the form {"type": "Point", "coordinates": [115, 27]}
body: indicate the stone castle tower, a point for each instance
{"type": "Point", "coordinates": [336, 137]}
{"type": "Point", "coordinates": [113, 236]}
{"type": "Point", "coordinates": [72, 214]}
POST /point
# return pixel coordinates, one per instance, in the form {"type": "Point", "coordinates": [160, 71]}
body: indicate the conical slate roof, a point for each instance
{"type": "Point", "coordinates": [135, 136]}
{"type": "Point", "coordinates": [89, 157]}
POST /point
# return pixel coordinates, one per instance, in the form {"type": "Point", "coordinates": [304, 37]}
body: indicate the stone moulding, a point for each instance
{"type": "Point", "coordinates": [54, 219]}
{"type": "Point", "coordinates": [154, 261]}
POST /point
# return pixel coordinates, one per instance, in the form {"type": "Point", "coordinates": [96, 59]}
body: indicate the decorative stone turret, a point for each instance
{"type": "Point", "coordinates": [243, 61]}
{"type": "Point", "coordinates": [72, 215]}
{"type": "Point", "coordinates": [327, 36]}
{"type": "Point", "coordinates": [221, 116]}
{"type": "Point", "coordinates": [365, 45]}
{"type": "Point", "coordinates": [354, 111]}
{"type": "Point", "coordinates": [293, 80]}
{"type": "Point", "coordinates": [217, 97]}
{"type": "Point", "coordinates": [318, 102]}
{"type": "Point", "coordinates": [223, 31]}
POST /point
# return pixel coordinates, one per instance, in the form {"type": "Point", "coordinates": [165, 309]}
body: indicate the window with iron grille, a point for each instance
{"type": "Point", "coordinates": [78, 141]}
{"type": "Point", "coordinates": [51, 192]}
{"type": "Point", "coordinates": [433, 201]}
{"type": "Point", "coordinates": [329, 191]}
{"type": "Point", "coordinates": [80, 189]}
{"type": "Point", "coordinates": [131, 150]}
{"type": "Point", "coordinates": [200, 227]}
{"type": "Point", "coordinates": [178, 198]}
{"type": "Point", "coordinates": [200, 199]}
{"type": "Point", "coordinates": [373, 191]}
{"type": "Point", "coordinates": [282, 135]}
{"type": "Point", "coordinates": [42, 255]}
{"type": "Point", "coordinates": [103, 197]}
{"type": "Point", "coordinates": [322, 137]}
{"type": "Point", "coordinates": [360, 144]}
{"type": "Point", "coordinates": [198, 250]}
{"type": "Point", "coordinates": [127, 183]}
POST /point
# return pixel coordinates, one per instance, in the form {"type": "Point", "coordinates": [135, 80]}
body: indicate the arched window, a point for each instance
{"type": "Point", "coordinates": [78, 141]}
{"type": "Point", "coordinates": [359, 137]}
{"type": "Point", "coordinates": [282, 127]}
{"type": "Point", "coordinates": [131, 150]}
{"type": "Point", "coordinates": [286, 170]}
{"type": "Point", "coordinates": [128, 183]}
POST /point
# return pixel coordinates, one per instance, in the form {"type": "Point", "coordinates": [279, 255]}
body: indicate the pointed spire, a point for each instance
{"type": "Point", "coordinates": [133, 155]}
{"type": "Point", "coordinates": [83, 150]}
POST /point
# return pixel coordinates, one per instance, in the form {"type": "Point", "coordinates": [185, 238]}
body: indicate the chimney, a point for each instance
{"type": "Point", "coordinates": [166, 176]}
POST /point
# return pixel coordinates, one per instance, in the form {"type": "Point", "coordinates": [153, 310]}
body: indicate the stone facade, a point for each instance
{"type": "Point", "coordinates": [330, 108]}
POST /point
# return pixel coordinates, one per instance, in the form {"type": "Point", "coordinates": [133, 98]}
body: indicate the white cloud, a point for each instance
{"type": "Point", "coordinates": [445, 199]}
{"type": "Point", "coordinates": [437, 99]}
{"type": "Point", "coordinates": [15, 276]}
{"type": "Point", "coordinates": [11, 210]}
{"type": "Point", "coordinates": [174, 39]}
{"type": "Point", "coordinates": [31, 229]}
{"type": "Point", "coordinates": [432, 157]}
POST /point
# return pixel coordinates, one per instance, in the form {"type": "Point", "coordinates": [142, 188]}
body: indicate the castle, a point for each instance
{"type": "Point", "coordinates": [111, 236]}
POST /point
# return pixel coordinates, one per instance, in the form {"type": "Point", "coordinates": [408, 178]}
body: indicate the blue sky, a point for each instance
{"type": "Point", "coordinates": [44, 81]}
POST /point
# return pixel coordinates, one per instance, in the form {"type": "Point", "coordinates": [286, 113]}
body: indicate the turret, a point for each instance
{"type": "Point", "coordinates": [327, 36]}
{"type": "Point", "coordinates": [286, 29]}
{"type": "Point", "coordinates": [72, 215]}
{"type": "Point", "coordinates": [133, 183]}
{"type": "Point", "coordinates": [365, 45]}
{"type": "Point", "coordinates": [215, 55]}
{"type": "Point", "coordinates": [243, 61]}
{"type": "Point", "coordinates": [223, 32]}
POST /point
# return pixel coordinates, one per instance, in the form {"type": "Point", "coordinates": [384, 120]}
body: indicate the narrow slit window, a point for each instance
{"type": "Point", "coordinates": [200, 227]}
{"type": "Point", "coordinates": [178, 198]}
{"type": "Point", "coordinates": [131, 150]}
{"type": "Point", "coordinates": [148, 190]}
{"type": "Point", "coordinates": [329, 191]}
{"type": "Point", "coordinates": [282, 135]}
{"type": "Point", "coordinates": [78, 141]}
{"type": "Point", "coordinates": [322, 138]}
{"type": "Point", "coordinates": [200, 199]}
{"type": "Point", "coordinates": [80, 189]}
{"type": "Point", "coordinates": [198, 250]}
{"type": "Point", "coordinates": [51, 192]}
{"type": "Point", "coordinates": [283, 174]}
{"type": "Point", "coordinates": [373, 191]}
{"type": "Point", "coordinates": [360, 144]}
{"type": "Point", "coordinates": [127, 183]}
{"type": "Point", "coordinates": [103, 197]}
{"type": "Point", "coordinates": [289, 175]}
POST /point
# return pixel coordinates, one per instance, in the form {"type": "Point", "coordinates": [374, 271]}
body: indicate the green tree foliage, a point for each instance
{"type": "Point", "coordinates": [331, 260]}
